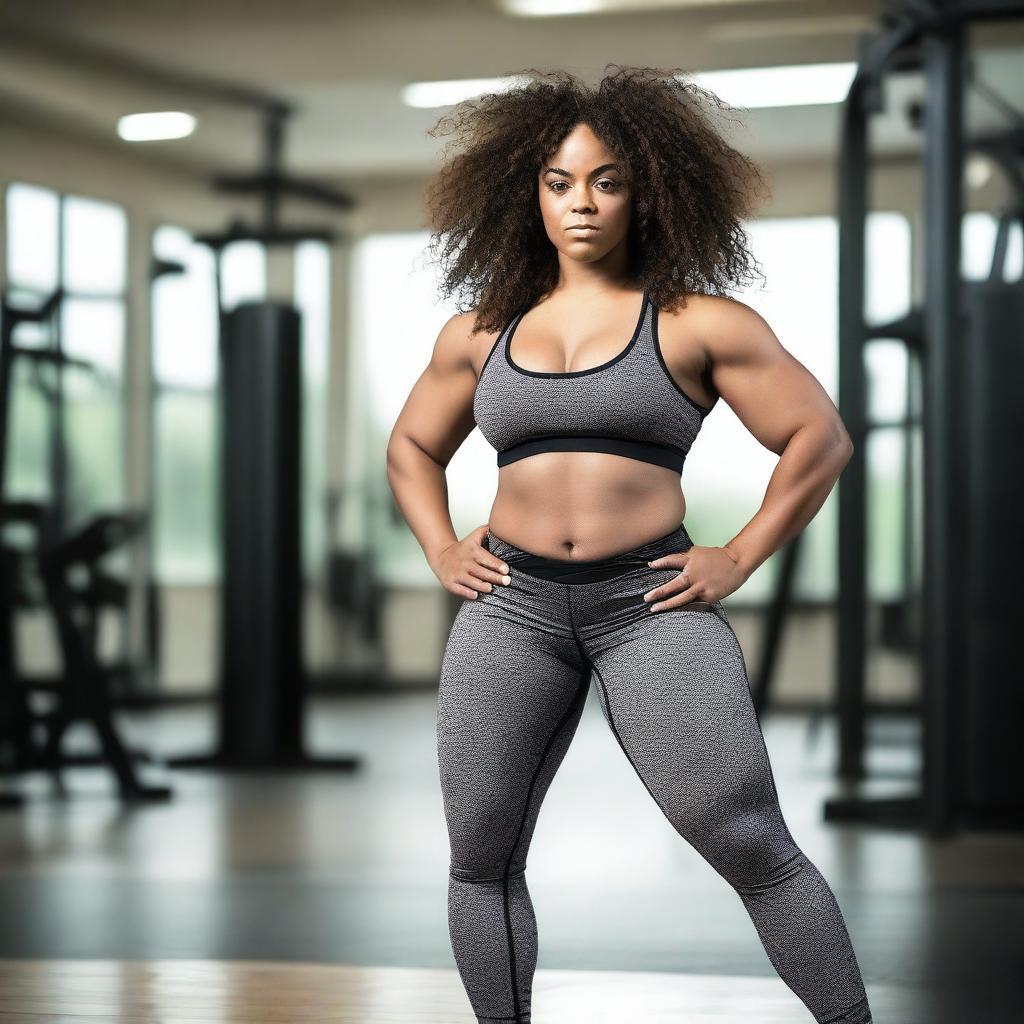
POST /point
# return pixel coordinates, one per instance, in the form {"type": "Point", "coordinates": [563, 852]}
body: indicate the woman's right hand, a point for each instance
{"type": "Point", "coordinates": [466, 567]}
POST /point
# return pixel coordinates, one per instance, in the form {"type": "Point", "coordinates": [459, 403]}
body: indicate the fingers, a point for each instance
{"type": "Point", "coordinates": [676, 592]}
{"type": "Point", "coordinates": [486, 579]}
{"type": "Point", "coordinates": [488, 571]}
{"type": "Point", "coordinates": [689, 598]}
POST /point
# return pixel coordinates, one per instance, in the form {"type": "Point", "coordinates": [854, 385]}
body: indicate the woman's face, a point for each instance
{"type": "Point", "coordinates": [584, 183]}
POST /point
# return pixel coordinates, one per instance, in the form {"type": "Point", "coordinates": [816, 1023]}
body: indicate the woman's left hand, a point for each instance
{"type": "Point", "coordinates": [711, 574]}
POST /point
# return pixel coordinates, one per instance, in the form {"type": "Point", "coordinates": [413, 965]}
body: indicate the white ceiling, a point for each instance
{"type": "Point", "coordinates": [78, 67]}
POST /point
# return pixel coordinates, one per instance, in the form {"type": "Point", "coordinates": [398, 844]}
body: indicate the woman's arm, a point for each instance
{"type": "Point", "coordinates": [782, 404]}
{"type": "Point", "coordinates": [436, 418]}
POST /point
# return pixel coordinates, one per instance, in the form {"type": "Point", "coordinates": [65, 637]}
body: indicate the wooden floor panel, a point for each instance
{"type": "Point", "coordinates": [246, 992]}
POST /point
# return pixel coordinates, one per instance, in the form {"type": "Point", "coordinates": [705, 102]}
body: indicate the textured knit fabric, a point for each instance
{"type": "Point", "coordinates": [673, 688]}
{"type": "Point", "coordinates": [631, 396]}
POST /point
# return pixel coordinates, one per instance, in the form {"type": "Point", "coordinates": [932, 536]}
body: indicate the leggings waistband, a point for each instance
{"type": "Point", "coordinates": [594, 570]}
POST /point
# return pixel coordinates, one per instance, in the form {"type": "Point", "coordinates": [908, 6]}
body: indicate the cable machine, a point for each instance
{"type": "Point", "coordinates": [966, 337]}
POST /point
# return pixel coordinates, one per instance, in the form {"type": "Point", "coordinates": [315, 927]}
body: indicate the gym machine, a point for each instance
{"type": "Point", "coordinates": [965, 335]}
{"type": "Point", "coordinates": [263, 685]}
{"type": "Point", "coordinates": [61, 569]}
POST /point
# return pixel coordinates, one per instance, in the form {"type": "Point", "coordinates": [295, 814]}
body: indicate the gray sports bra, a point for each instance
{"type": "Point", "coordinates": [629, 405]}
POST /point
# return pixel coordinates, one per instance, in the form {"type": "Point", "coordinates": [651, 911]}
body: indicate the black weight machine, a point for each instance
{"type": "Point", "coordinates": [965, 337]}
{"type": "Point", "coordinates": [263, 683]}
{"type": "Point", "coordinates": [61, 569]}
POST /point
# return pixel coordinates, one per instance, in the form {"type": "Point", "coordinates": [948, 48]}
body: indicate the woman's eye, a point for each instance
{"type": "Point", "coordinates": [604, 181]}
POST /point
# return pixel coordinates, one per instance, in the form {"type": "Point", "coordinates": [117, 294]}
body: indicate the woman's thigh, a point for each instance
{"type": "Point", "coordinates": [674, 690]}
{"type": "Point", "coordinates": [509, 700]}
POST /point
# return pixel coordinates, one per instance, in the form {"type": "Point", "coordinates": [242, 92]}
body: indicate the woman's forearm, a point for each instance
{"type": "Point", "coordinates": [420, 488]}
{"type": "Point", "coordinates": [805, 474]}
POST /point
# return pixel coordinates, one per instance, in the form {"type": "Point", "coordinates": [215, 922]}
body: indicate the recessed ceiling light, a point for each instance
{"type": "Point", "coordinates": [549, 8]}
{"type": "Point", "coordinates": [162, 124]}
{"type": "Point", "coordinates": [444, 94]}
{"type": "Point", "coordinates": [782, 86]}
{"type": "Point", "coordinates": [977, 170]}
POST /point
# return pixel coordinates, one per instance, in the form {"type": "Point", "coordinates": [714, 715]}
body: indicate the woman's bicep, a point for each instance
{"type": "Point", "coordinates": [438, 413]}
{"type": "Point", "coordinates": [770, 390]}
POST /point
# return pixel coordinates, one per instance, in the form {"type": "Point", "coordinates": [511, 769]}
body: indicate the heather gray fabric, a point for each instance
{"type": "Point", "coordinates": [673, 688]}
{"type": "Point", "coordinates": [631, 397]}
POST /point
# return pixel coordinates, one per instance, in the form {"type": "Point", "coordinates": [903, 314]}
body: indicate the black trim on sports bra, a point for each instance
{"type": "Point", "coordinates": [665, 455]}
{"type": "Point", "coordinates": [702, 409]}
{"type": "Point", "coordinates": [574, 373]}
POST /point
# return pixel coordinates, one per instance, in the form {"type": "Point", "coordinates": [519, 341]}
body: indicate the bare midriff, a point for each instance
{"type": "Point", "coordinates": [584, 505]}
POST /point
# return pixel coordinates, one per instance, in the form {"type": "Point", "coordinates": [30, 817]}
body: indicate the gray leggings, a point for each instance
{"type": "Point", "coordinates": [673, 688]}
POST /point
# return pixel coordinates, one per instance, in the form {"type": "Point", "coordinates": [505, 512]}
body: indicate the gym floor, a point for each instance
{"type": "Point", "coordinates": [322, 896]}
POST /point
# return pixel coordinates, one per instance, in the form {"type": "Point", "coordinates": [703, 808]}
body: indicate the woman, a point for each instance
{"type": "Point", "coordinates": [599, 228]}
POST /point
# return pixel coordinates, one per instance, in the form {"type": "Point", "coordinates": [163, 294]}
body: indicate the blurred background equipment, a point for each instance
{"type": "Point", "coordinates": [971, 707]}
{"type": "Point", "coordinates": [263, 681]}
{"type": "Point", "coordinates": [57, 564]}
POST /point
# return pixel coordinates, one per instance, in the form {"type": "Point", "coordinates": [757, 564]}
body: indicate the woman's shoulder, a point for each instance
{"type": "Point", "coordinates": [462, 341]}
{"type": "Point", "coordinates": [709, 317]}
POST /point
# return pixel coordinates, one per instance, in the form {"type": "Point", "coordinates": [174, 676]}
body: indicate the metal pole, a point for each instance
{"type": "Point", "coordinates": [851, 613]}
{"type": "Point", "coordinates": [944, 479]}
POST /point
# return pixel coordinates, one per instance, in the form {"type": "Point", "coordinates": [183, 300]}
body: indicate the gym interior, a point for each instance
{"type": "Point", "coordinates": [220, 641]}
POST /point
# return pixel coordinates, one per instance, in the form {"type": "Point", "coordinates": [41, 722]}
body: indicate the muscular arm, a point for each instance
{"type": "Point", "coordinates": [782, 404]}
{"type": "Point", "coordinates": [436, 418]}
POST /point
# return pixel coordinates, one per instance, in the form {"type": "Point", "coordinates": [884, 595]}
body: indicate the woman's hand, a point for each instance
{"type": "Point", "coordinates": [466, 567]}
{"type": "Point", "coordinates": [709, 575]}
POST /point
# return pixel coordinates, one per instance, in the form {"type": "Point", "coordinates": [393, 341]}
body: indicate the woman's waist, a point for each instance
{"type": "Point", "coordinates": [580, 533]}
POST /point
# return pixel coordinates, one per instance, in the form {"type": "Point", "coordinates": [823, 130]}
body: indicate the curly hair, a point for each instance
{"type": "Point", "coordinates": [690, 189]}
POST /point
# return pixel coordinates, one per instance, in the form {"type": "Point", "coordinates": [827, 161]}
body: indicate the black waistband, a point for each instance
{"type": "Point", "coordinates": [562, 570]}
{"type": "Point", "coordinates": [535, 565]}
{"type": "Point", "coordinates": [645, 451]}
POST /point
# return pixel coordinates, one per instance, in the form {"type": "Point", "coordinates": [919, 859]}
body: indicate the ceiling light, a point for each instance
{"type": "Point", "coordinates": [549, 8]}
{"type": "Point", "coordinates": [781, 86]}
{"type": "Point", "coordinates": [162, 124]}
{"type": "Point", "coordinates": [977, 170]}
{"type": "Point", "coordinates": [444, 94]}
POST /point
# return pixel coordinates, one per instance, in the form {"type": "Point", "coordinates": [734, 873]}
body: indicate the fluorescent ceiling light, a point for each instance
{"type": "Point", "coordinates": [977, 170]}
{"type": "Point", "coordinates": [162, 124]}
{"type": "Point", "coordinates": [549, 8]}
{"type": "Point", "coordinates": [444, 94]}
{"type": "Point", "coordinates": [782, 86]}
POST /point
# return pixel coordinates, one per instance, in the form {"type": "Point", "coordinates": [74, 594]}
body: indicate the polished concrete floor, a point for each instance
{"type": "Point", "coordinates": [351, 869]}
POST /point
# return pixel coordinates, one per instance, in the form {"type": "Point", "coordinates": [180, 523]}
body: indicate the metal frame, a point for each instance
{"type": "Point", "coordinates": [928, 34]}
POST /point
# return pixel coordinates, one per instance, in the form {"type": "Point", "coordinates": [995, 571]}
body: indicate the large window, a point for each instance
{"type": "Point", "coordinates": [312, 277]}
{"type": "Point", "coordinates": [977, 238]}
{"type": "Point", "coordinates": [185, 374]}
{"type": "Point", "coordinates": [66, 439]}
{"type": "Point", "coordinates": [184, 325]}
{"type": "Point", "coordinates": [396, 318]}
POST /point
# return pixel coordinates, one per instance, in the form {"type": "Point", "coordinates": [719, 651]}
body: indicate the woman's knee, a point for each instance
{"type": "Point", "coordinates": [752, 850]}
{"type": "Point", "coordinates": [485, 870]}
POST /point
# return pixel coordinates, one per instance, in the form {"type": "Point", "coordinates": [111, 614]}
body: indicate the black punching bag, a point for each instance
{"type": "Point", "coordinates": [262, 681]}
{"type": "Point", "coordinates": [992, 724]}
